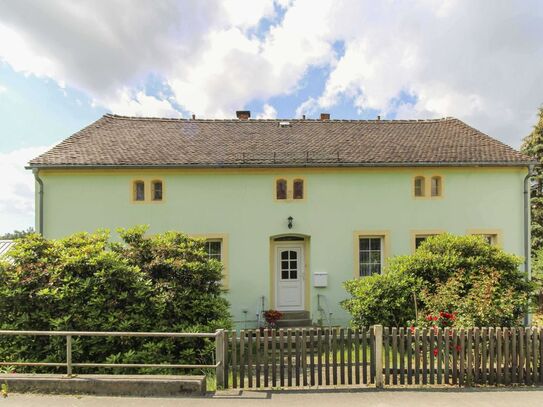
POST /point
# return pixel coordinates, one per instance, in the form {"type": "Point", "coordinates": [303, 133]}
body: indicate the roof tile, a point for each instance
{"type": "Point", "coordinates": [134, 141]}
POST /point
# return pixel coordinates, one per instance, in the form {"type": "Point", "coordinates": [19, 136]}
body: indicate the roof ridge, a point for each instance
{"type": "Point", "coordinates": [182, 119]}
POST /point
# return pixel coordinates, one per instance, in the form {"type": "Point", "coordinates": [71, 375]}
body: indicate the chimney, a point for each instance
{"type": "Point", "coordinates": [378, 117]}
{"type": "Point", "coordinates": [243, 114]}
{"type": "Point", "coordinates": [193, 117]}
{"type": "Point", "coordinates": [325, 116]}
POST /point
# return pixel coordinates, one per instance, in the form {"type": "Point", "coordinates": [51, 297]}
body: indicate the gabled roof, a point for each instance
{"type": "Point", "coordinates": [118, 141]}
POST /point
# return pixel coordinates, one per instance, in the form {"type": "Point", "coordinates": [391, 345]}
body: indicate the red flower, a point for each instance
{"type": "Point", "coordinates": [436, 352]}
{"type": "Point", "coordinates": [412, 328]}
{"type": "Point", "coordinates": [458, 348]}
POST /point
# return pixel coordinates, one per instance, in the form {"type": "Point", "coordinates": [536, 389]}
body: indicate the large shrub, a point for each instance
{"type": "Point", "coordinates": [463, 276]}
{"type": "Point", "coordinates": [381, 299]}
{"type": "Point", "coordinates": [162, 283]}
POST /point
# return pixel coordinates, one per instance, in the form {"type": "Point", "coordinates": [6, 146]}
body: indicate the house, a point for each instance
{"type": "Point", "coordinates": [293, 208]}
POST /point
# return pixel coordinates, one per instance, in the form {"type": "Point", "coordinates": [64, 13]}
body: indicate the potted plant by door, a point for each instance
{"type": "Point", "coordinates": [272, 316]}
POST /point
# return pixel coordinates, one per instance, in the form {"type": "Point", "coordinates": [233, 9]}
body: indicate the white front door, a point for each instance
{"type": "Point", "coordinates": [290, 277]}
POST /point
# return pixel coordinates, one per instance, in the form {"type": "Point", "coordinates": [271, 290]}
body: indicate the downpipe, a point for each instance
{"type": "Point", "coordinates": [527, 234]}
{"type": "Point", "coordinates": [40, 200]}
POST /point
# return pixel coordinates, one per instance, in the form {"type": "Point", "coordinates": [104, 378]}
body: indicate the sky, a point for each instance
{"type": "Point", "coordinates": [64, 64]}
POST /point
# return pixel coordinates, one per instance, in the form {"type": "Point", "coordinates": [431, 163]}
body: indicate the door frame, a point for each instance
{"type": "Point", "coordinates": [273, 283]}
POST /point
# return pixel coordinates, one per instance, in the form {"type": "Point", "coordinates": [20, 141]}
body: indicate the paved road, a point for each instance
{"type": "Point", "coordinates": [404, 398]}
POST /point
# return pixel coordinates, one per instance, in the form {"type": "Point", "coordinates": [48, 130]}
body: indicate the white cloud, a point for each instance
{"type": "Point", "coordinates": [309, 107]}
{"type": "Point", "coordinates": [17, 186]}
{"type": "Point", "coordinates": [3, 89]}
{"type": "Point", "coordinates": [206, 51]}
{"type": "Point", "coordinates": [246, 14]}
{"type": "Point", "coordinates": [454, 58]}
{"type": "Point", "coordinates": [141, 104]}
{"type": "Point", "coordinates": [15, 50]}
{"type": "Point", "coordinates": [481, 61]}
{"type": "Point", "coordinates": [268, 112]}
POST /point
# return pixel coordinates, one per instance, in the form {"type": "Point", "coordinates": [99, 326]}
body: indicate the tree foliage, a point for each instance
{"type": "Point", "coordinates": [162, 283]}
{"type": "Point", "coordinates": [382, 299]}
{"type": "Point", "coordinates": [17, 234]}
{"type": "Point", "coordinates": [533, 147]}
{"type": "Point", "coordinates": [464, 276]}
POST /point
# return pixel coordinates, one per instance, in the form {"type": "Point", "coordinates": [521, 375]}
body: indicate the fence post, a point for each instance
{"type": "Point", "coordinates": [220, 357]}
{"type": "Point", "coordinates": [69, 355]}
{"type": "Point", "coordinates": [378, 332]}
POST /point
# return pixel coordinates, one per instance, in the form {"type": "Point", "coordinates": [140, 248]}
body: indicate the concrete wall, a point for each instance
{"type": "Point", "coordinates": [240, 203]}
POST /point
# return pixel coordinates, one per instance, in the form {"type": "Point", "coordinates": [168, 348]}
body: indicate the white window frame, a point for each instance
{"type": "Point", "coordinates": [212, 256]}
{"type": "Point", "coordinates": [381, 252]}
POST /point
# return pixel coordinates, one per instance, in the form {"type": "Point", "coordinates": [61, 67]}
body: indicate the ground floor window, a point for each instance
{"type": "Point", "coordinates": [370, 255]}
{"type": "Point", "coordinates": [490, 238]}
{"type": "Point", "coordinates": [419, 239]}
{"type": "Point", "coordinates": [214, 249]}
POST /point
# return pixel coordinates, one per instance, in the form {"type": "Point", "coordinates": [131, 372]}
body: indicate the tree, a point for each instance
{"type": "Point", "coordinates": [533, 147]}
{"type": "Point", "coordinates": [17, 234]}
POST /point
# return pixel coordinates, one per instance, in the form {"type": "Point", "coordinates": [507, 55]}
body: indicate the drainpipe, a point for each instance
{"type": "Point", "coordinates": [40, 200]}
{"type": "Point", "coordinates": [527, 233]}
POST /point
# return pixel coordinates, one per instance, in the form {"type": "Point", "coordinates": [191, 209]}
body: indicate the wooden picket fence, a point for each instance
{"type": "Point", "coordinates": [299, 357]}
{"type": "Point", "coordinates": [382, 356]}
{"type": "Point", "coordinates": [486, 356]}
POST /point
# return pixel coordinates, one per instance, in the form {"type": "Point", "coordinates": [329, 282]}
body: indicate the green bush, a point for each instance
{"type": "Point", "coordinates": [381, 299]}
{"type": "Point", "coordinates": [463, 276]}
{"type": "Point", "coordinates": [478, 300]}
{"type": "Point", "coordinates": [163, 283]}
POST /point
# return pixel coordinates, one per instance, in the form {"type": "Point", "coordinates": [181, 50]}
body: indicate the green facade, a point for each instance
{"type": "Point", "coordinates": [339, 202]}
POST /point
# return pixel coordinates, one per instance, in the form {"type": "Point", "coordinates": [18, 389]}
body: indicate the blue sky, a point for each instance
{"type": "Point", "coordinates": [38, 112]}
{"type": "Point", "coordinates": [63, 65]}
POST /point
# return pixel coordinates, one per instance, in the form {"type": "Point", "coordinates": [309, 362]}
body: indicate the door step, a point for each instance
{"type": "Point", "coordinates": [294, 315]}
{"type": "Point", "coordinates": [295, 319]}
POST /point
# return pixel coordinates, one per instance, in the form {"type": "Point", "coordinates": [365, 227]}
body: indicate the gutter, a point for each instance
{"type": "Point", "coordinates": [35, 171]}
{"type": "Point", "coordinates": [271, 164]}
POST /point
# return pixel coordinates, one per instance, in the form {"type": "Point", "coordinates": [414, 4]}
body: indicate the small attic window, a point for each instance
{"type": "Point", "coordinates": [281, 188]}
{"type": "Point", "coordinates": [419, 186]}
{"type": "Point", "coordinates": [157, 190]}
{"type": "Point", "coordinates": [284, 124]}
{"type": "Point", "coordinates": [138, 191]}
{"type": "Point", "coordinates": [298, 189]}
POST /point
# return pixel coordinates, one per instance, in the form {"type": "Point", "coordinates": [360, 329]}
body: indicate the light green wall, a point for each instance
{"type": "Point", "coordinates": [240, 203]}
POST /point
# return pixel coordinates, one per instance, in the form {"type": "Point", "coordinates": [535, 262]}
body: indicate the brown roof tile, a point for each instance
{"type": "Point", "coordinates": [131, 141]}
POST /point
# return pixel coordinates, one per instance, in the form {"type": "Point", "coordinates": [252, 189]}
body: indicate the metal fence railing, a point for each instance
{"type": "Point", "coordinates": [69, 364]}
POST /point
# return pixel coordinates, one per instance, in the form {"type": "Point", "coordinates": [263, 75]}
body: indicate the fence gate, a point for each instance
{"type": "Point", "coordinates": [299, 357]}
